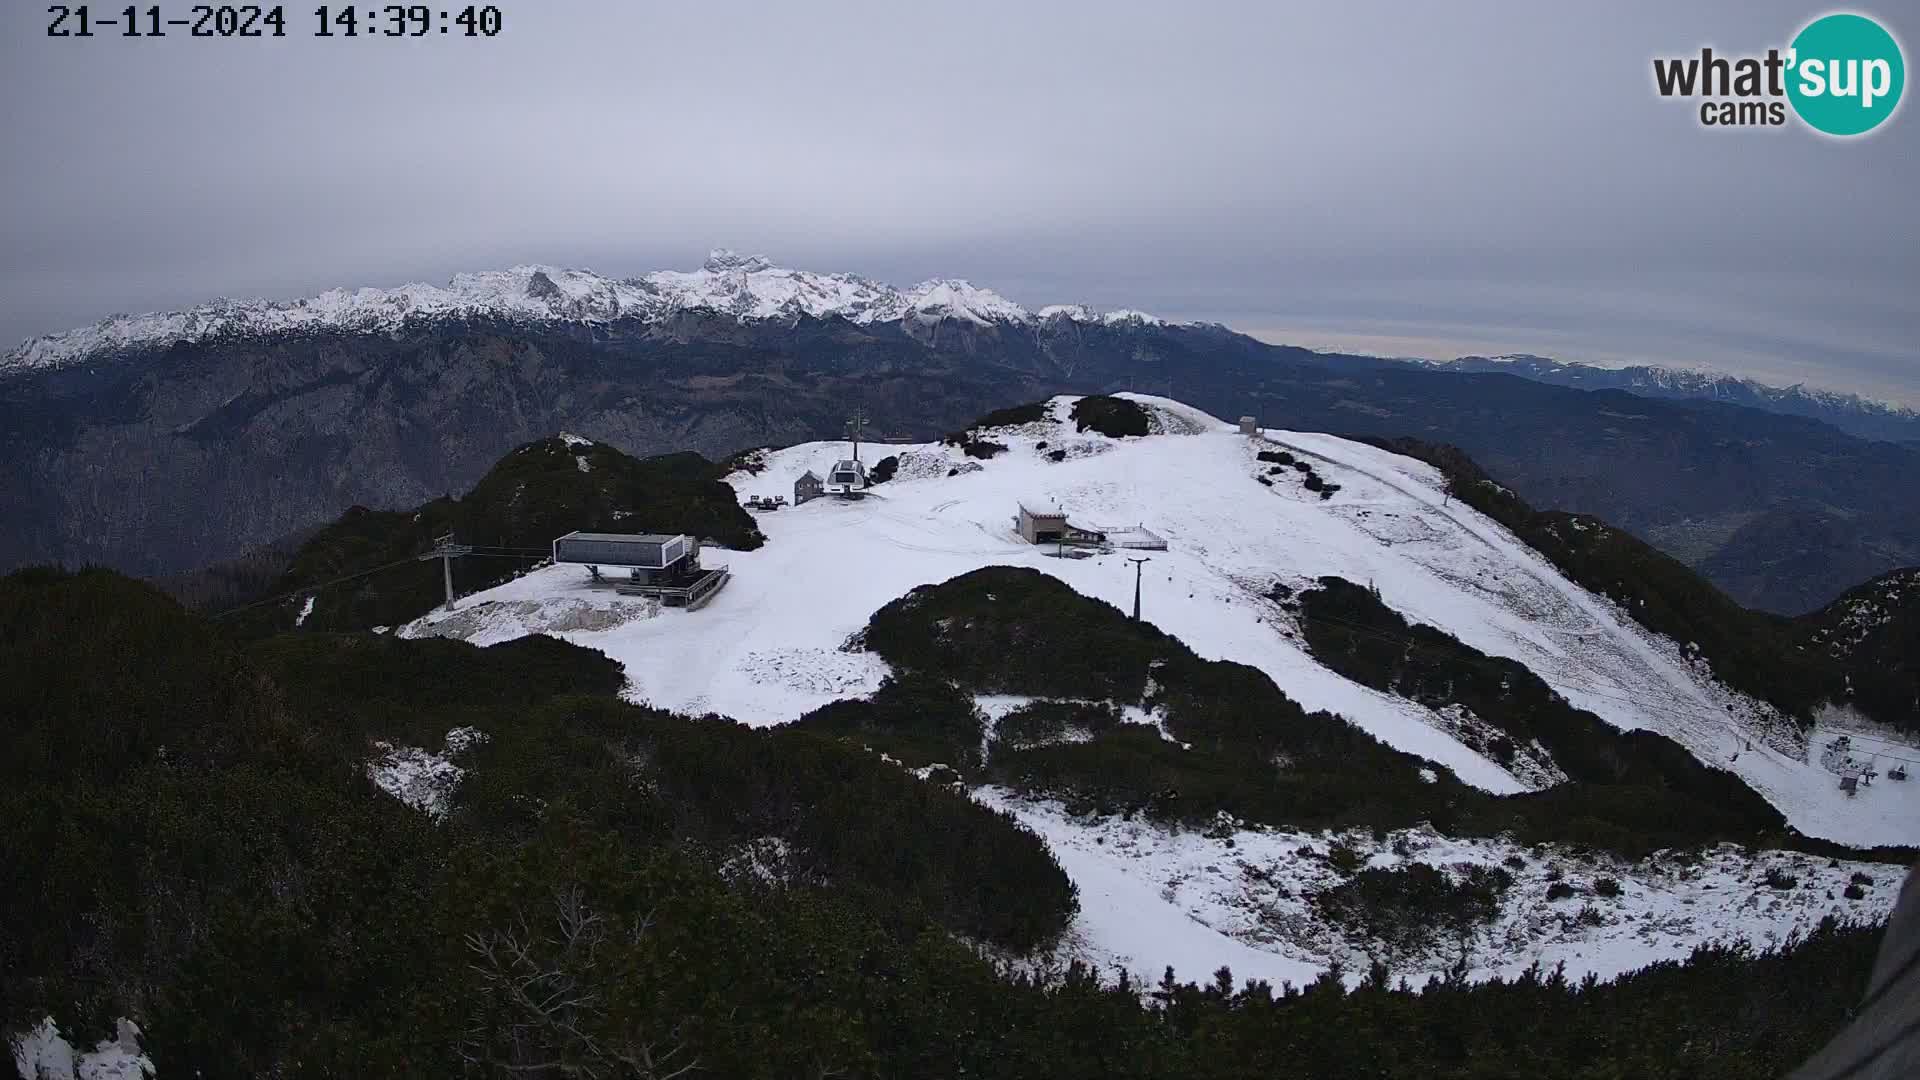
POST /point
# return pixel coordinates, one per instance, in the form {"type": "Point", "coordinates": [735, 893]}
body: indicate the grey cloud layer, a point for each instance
{"type": "Point", "coordinates": [1492, 173]}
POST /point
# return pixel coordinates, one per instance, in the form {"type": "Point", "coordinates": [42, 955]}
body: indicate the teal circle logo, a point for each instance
{"type": "Point", "coordinates": [1845, 74]}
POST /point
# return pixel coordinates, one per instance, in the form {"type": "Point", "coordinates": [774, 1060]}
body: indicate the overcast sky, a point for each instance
{"type": "Point", "coordinates": [1420, 179]}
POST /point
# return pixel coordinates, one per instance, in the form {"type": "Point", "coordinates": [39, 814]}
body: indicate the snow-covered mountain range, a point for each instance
{"type": "Point", "coordinates": [776, 643]}
{"type": "Point", "coordinates": [1849, 412]}
{"type": "Point", "coordinates": [747, 287]}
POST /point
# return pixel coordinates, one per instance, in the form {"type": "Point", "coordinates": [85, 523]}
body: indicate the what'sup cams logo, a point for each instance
{"type": "Point", "coordinates": [1842, 76]}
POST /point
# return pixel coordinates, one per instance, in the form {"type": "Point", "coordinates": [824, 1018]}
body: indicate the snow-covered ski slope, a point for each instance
{"type": "Point", "coordinates": [768, 648]}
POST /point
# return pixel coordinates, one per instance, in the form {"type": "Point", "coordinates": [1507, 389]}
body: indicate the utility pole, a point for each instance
{"type": "Point", "coordinates": [1137, 564]}
{"type": "Point", "coordinates": [446, 551]}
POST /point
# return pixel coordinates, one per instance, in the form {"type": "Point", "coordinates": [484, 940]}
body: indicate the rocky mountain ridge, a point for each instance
{"type": "Point", "coordinates": [747, 288]}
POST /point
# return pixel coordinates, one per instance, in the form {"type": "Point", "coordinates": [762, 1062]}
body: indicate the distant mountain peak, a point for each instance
{"type": "Point", "coordinates": [726, 260]}
{"type": "Point", "coordinates": [959, 298]}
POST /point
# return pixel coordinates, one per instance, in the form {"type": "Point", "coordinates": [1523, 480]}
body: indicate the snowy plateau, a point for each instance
{"type": "Point", "coordinates": [775, 643]}
{"type": "Point", "coordinates": [745, 287]}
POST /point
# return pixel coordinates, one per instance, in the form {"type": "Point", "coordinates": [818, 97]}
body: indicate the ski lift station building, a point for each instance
{"type": "Point", "coordinates": [641, 551]}
{"type": "Point", "coordinates": [659, 565]}
{"type": "Point", "coordinates": [1052, 527]}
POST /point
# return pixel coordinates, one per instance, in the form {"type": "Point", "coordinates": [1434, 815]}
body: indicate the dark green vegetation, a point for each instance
{"type": "Point", "coordinates": [1793, 663]}
{"type": "Point", "coordinates": [538, 492]}
{"type": "Point", "coordinates": [1403, 910]}
{"type": "Point", "coordinates": [557, 735]}
{"type": "Point", "coordinates": [1031, 413]}
{"type": "Point", "coordinates": [1039, 723]}
{"type": "Point", "coordinates": [1234, 742]}
{"type": "Point", "coordinates": [984, 449]}
{"type": "Point", "coordinates": [1309, 477]}
{"type": "Point", "coordinates": [752, 461]}
{"type": "Point", "coordinates": [918, 721]}
{"type": "Point", "coordinates": [236, 581]}
{"type": "Point", "coordinates": [1872, 636]}
{"type": "Point", "coordinates": [1110, 416]}
{"type": "Point", "coordinates": [1254, 753]}
{"type": "Point", "coordinates": [969, 439]}
{"type": "Point", "coordinates": [188, 837]}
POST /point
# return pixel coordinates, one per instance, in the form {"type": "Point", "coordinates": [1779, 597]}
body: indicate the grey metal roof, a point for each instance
{"type": "Point", "coordinates": [1032, 513]}
{"type": "Point", "coordinates": [624, 538]}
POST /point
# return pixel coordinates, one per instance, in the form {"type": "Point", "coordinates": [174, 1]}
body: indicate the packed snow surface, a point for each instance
{"type": "Point", "coordinates": [745, 287]}
{"type": "Point", "coordinates": [772, 646]}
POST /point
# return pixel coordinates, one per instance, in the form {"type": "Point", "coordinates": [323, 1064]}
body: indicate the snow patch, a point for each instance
{"type": "Point", "coordinates": [420, 778]}
{"type": "Point", "coordinates": [816, 671]}
{"type": "Point", "coordinates": [1157, 720]}
{"type": "Point", "coordinates": [43, 1053]}
{"type": "Point", "coordinates": [923, 464]}
{"type": "Point", "coordinates": [766, 860]}
{"type": "Point", "coordinates": [306, 609]}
